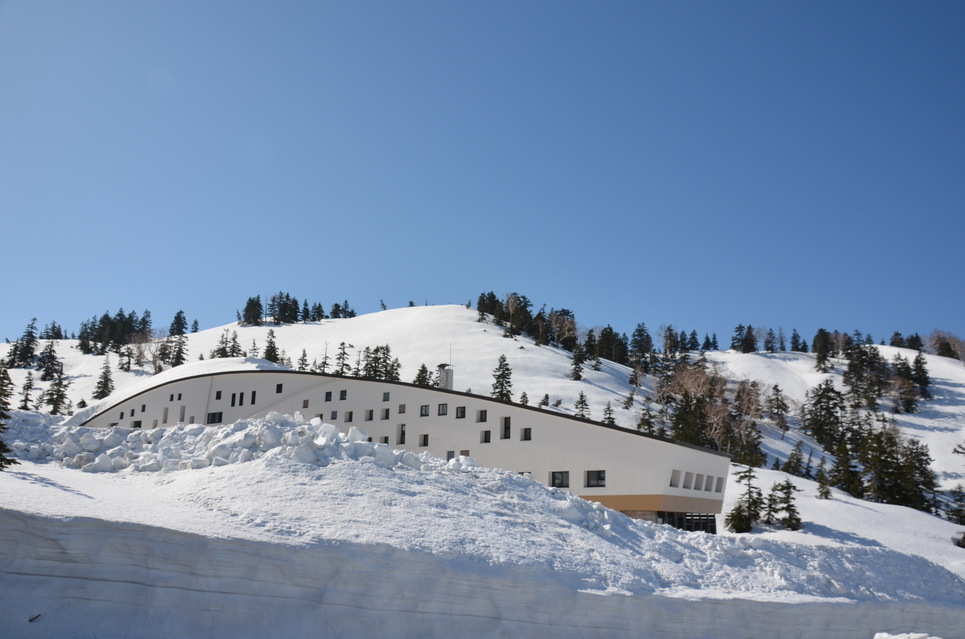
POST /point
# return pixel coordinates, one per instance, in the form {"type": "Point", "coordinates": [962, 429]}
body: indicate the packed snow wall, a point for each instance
{"type": "Point", "coordinates": [87, 577]}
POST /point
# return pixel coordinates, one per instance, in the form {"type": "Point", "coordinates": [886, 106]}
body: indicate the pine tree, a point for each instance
{"type": "Point", "coordinates": [25, 391]}
{"type": "Point", "coordinates": [770, 341]}
{"type": "Point", "coordinates": [6, 393]}
{"type": "Point", "coordinates": [824, 491]}
{"type": "Point", "coordinates": [105, 385]}
{"type": "Point", "coordinates": [576, 370]}
{"type": "Point", "coordinates": [777, 409]}
{"type": "Point", "coordinates": [303, 361]}
{"type": "Point", "coordinates": [795, 461]}
{"type": "Point", "coordinates": [342, 365]}
{"type": "Point", "coordinates": [648, 418]}
{"type": "Point", "coordinates": [56, 397]}
{"type": "Point", "coordinates": [502, 381]}
{"type": "Point", "coordinates": [179, 343]}
{"type": "Point", "coordinates": [253, 312]}
{"type": "Point", "coordinates": [524, 399]}
{"type": "Point", "coordinates": [253, 351]}
{"type": "Point", "coordinates": [845, 475]}
{"type": "Point", "coordinates": [955, 510]}
{"type": "Point", "coordinates": [423, 378]}
{"type": "Point", "coordinates": [608, 415]}
{"type": "Point", "coordinates": [920, 377]}
{"type": "Point", "coordinates": [582, 407]}
{"type": "Point", "coordinates": [628, 401]}
{"type": "Point", "coordinates": [49, 364]}
{"type": "Point", "coordinates": [747, 510]}
{"type": "Point", "coordinates": [823, 349]}
{"type": "Point", "coordinates": [545, 401]}
{"type": "Point", "coordinates": [271, 349]}
{"type": "Point", "coordinates": [822, 414]}
{"type": "Point", "coordinates": [195, 326]}
{"type": "Point", "coordinates": [785, 503]}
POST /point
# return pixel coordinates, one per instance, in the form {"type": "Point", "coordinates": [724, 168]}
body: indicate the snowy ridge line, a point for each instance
{"type": "Point", "coordinates": [348, 590]}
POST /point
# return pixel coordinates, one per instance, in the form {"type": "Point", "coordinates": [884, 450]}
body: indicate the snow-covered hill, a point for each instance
{"type": "Point", "coordinates": [371, 542]}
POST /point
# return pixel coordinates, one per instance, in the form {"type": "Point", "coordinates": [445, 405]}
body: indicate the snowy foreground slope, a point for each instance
{"type": "Point", "coordinates": [254, 536]}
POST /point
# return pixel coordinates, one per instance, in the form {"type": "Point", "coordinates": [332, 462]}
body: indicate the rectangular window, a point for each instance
{"type": "Point", "coordinates": [132, 412]}
{"type": "Point", "coordinates": [384, 439]}
{"type": "Point", "coordinates": [171, 399]}
{"type": "Point", "coordinates": [385, 397]}
{"type": "Point", "coordinates": [560, 479]}
{"type": "Point", "coordinates": [385, 413]}
{"type": "Point", "coordinates": [481, 416]}
{"type": "Point", "coordinates": [675, 479]}
{"type": "Point", "coordinates": [181, 414]}
{"type": "Point", "coordinates": [486, 436]}
{"type": "Point", "coordinates": [464, 453]}
{"type": "Point", "coordinates": [136, 424]}
{"type": "Point", "coordinates": [719, 488]}
{"type": "Point", "coordinates": [164, 415]}
{"type": "Point", "coordinates": [688, 480]}
{"type": "Point", "coordinates": [252, 398]}
{"type": "Point", "coordinates": [402, 409]}
{"type": "Point", "coordinates": [460, 412]}
{"type": "Point", "coordinates": [278, 388]}
{"type": "Point", "coordinates": [424, 440]}
{"type": "Point", "coordinates": [709, 484]}
{"type": "Point", "coordinates": [526, 434]}
{"type": "Point", "coordinates": [443, 409]}
{"type": "Point", "coordinates": [233, 398]}
{"type": "Point", "coordinates": [369, 415]}
{"type": "Point", "coordinates": [328, 396]}
{"type": "Point", "coordinates": [122, 415]}
{"type": "Point", "coordinates": [400, 439]}
{"type": "Point", "coordinates": [241, 399]}
{"type": "Point", "coordinates": [699, 482]}
{"type": "Point", "coordinates": [217, 394]}
{"type": "Point", "coordinates": [343, 394]}
{"type": "Point", "coordinates": [450, 454]}
{"type": "Point", "coordinates": [154, 424]}
{"type": "Point", "coordinates": [143, 407]}
{"type": "Point", "coordinates": [179, 397]}
{"type": "Point", "coordinates": [595, 478]}
{"type": "Point", "coordinates": [213, 418]}
{"type": "Point", "coordinates": [348, 415]}
{"type": "Point", "coordinates": [304, 403]}
{"type": "Point", "coordinates": [334, 415]}
{"type": "Point", "coordinates": [424, 410]}
{"type": "Point", "coordinates": [506, 428]}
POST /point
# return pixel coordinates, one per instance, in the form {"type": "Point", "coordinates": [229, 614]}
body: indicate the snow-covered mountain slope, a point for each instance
{"type": "Point", "coordinates": [451, 334]}
{"type": "Point", "coordinates": [366, 541]}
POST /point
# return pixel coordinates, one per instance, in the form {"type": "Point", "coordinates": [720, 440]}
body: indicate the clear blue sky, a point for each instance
{"type": "Point", "coordinates": [696, 163]}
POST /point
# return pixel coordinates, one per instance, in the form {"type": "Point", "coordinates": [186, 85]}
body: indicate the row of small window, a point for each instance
{"type": "Point", "coordinates": [443, 409]}
{"type": "Point", "coordinates": [592, 479]}
{"type": "Point", "coordinates": [697, 481]}
{"type": "Point", "coordinates": [349, 416]}
{"type": "Point", "coordinates": [237, 398]}
{"type": "Point", "coordinates": [164, 418]}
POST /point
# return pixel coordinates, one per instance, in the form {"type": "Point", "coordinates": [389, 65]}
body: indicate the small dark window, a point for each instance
{"type": "Point", "coordinates": [241, 399]}
{"type": "Point", "coordinates": [402, 409]}
{"type": "Point", "coordinates": [460, 412]}
{"type": "Point", "coordinates": [179, 397]}
{"type": "Point", "coordinates": [401, 438]}
{"type": "Point", "coordinates": [343, 394]}
{"type": "Point", "coordinates": [384, 439]}
{"type": "Point", "coordinates": [334, 415]}
{"type": "Point", "coordinates": [252, 398]}
{"type": "Point", "coordinates": [443, 409]}
{"type": "Point", "coordinates": [487, 436]}
{"type": "Point", "coordinates": [526, 434]}
{"type": "Point", "coordinates": [595, 478]}
{"type": "Point", "coordinates": [304, 403]}
{"type": "Point", "coordinates": [132, 412]}
{"type": "Point", "coordinates": [385, 413]}
{"type": "Point", "coordinates": [385, 397]}
{"type": "Point", "coordinates": [136, 424]}
{"type": "Point", "coordinates": [213, 418]}
{"type": "Point", "coordinates": [122, 414]}
{"type": "Point", "coordinates": [560, 479]}
{"type": "Point", "coordinates": [424, 410]}
{"type": "Point", "coordinates": [450, 454]}
{"type": "Point", "coordinates": [233, 399]}
{"type": "Point", "coordinates": [143, 407]}
{"type": "Point", "coordinates": [278, 388]}
{"type": "Point", "coordinates": [217, 394]}
{"type": "Point", "coordinates": [424, 440]}
{"type": "Point", "coordinates": [369, 415]}
{"type": "Point", "coordinates": [464, 453]}
{"type": "Point", "coordinates": [171, 398]}
{"type": "Point", "coordinates": [328, 396]}
{"type": "Point", "coordinates": [506, 428]}
{"type": "Point", "coordinates": [348, 415]}
{"type": "Point", "coordinates": [481, 416]}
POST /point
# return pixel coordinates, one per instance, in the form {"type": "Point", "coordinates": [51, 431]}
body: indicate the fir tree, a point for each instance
{"type": "Point", "coordinates": [608, 415]}
{"type": "Point", "coordinates": [785, 503]}
{"type": "Point", "coordinates": [423, 378]}
{"type": "Point", "coordinates": [49, 364]}
{"type": "Point", "coordinates": [777, 409]}
{"type": "Point", "coordinates": [179, 343]}
{"type": "Point", "coordinates": [195, 326]}
{"type": "Point", "coordinates": [6, 393]}
{"type": "Point", "coordinates": [303, 361]}
{"type": "Point", "coordinates": [524, 399]}
{"type": "Point", "coordinates": [56, 397]}
{"type": "Point", "coordinates": [342, 365]}
{"type": "Point", "coordinates": [576, 363]}
{"type": "Point", "coordinates": [713, 342]}
{"type": "Point", "coordinates": [628, 401]}
{"type": "Point", "coordinates": [582, 407]}
{"type": "Point", "coordinates": [253, 312]}
{"type": "Point", "coordinates": [253, 351]}
{"type": "Point", "coordinates": [770, 340]}
{"type": "Point", "coordinates": [545, 401]}
{"type": "Point", "coordinates": [845, 475]}
{"type": "Point", "coordinates": [271, 349]}
{"type": "Point", "coordinates": [648, 418]}
{"type": "Point", "coordinates": [502, 381]}
{"type": "Point", "coordinates": [747, 510]}
{"type": "Point", "coordinates": [105, 385]}
{"type": "Point", "coordinates": [795, 461]}
{"type": "Point", "coordinates": [920, 377]}
{"type": "Point", "coordinates": [955, 509]}
{"type": "Point", "coordinates": [824, 491]}
{"type": "Point", "coordinates": [25, 391]}
{"type": "Point", "coordinates": [823, 349]}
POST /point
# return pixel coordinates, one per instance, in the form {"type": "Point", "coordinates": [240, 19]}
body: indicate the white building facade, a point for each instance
{"type": "Point", "coordinates": [644, 476]}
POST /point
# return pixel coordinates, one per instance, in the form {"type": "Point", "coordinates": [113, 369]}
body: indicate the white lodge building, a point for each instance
{"type": "Point", "coordinates": [643, 476]}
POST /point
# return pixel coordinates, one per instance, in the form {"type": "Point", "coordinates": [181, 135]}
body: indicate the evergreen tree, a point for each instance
{"type": "Point", "coordinates": [6, 393]}
{"type": "Point", "coordinates": [920, 377]}
{"type": "Point", "coordinates": [105, 385]}
{"type": "Point", "coordinates": [692, 343]}
{"type": "Point", "coordinates": [706, 345]}
{"type": "Point", "coordinates": [253, 351]}
{"type": "Point", "coordinates": [785, 503]}
{"type": "Point", "coordinates": [502, 381]}
{"type": "Point", "coordinates": [524, 399]}
{"type": "Point", "coordinates": [25, 391]}
{"type": "Point", "coordinates": [56, 397]}
{"type": "Point", "coordinates": [234, 347]}
{"type": "Point", "coordinates": [844, 474]}
{"type": "Point", "coordinates": [545, 401]}
{"type": "Point", "coordinates": [23, 352]}
{"type": "Point", "coordinates": [747, 510]}
{"type": "Point", "coordinates": [795, 461]}
{"type": "Point", "coordinates": [770, 341]}
{"type": "Point", "coordinates": [648, 418]}
{"type": "Point", "coordinates": [777, 409]}
{"type": "Point", "coordinates": [824, 491]}
{"type": "Point", "coordinates": [823, 348]}
{"type": "Point", "coordinates": [342, 366]}
{"type": "Point", "coordinates": [608, 415]}
{"type": "Point", "coordinates": [955, 510]}
{"type": "Point", "coordinates": [628, 401]}
{"type": "Point", "coordinates": [749, 342]}
{"type": "Point", "coordinates": [253, 313]}
{"type": "Point", "coordinates": [48, 363]}
{"type": "Point", "coordinates": [195, 326]}
{"type": "Point", "coordinates": [303, 361]}
{"type": "Point", "coordinates": [713, 342]}
{"type": "Point", "coordinates": [738, 338]}
{"type": "Point", "coordinates": [423, 378]}
{"type": "Point", "coordinates": [582, 407]}
{"type": "Point", "coordinates": [179, 325]}
{"type": "Point", "coordinates": [222, 349]}
{"type": "Point", "coordinates": [822, 414]}
{"type": "Point", "coordinates": [576, 363]}
{"type": "Point", "coordinates": [271, 349]}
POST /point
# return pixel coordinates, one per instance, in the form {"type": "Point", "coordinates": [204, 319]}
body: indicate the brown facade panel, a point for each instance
{"type": "Point", "coordinates": [667, 503]}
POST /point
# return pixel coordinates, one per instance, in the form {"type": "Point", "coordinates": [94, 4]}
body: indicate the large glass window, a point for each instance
{"type": "Point", "coordinates": [560, 479]}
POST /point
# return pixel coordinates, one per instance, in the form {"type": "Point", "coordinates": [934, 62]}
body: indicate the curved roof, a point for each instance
{"type": "Point", "coordinates": [192, 369]}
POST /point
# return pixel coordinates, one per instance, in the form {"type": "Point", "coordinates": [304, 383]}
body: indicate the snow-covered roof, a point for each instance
{"type": "Point", "coordinates": [193, 369]}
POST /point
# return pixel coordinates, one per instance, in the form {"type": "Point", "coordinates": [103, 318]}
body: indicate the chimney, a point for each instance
{"type": "Point", "coordinates": [445, 376]}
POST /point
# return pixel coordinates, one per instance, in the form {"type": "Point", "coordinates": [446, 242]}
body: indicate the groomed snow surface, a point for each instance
{"type": "Point", "coordinates": [282, 527]}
